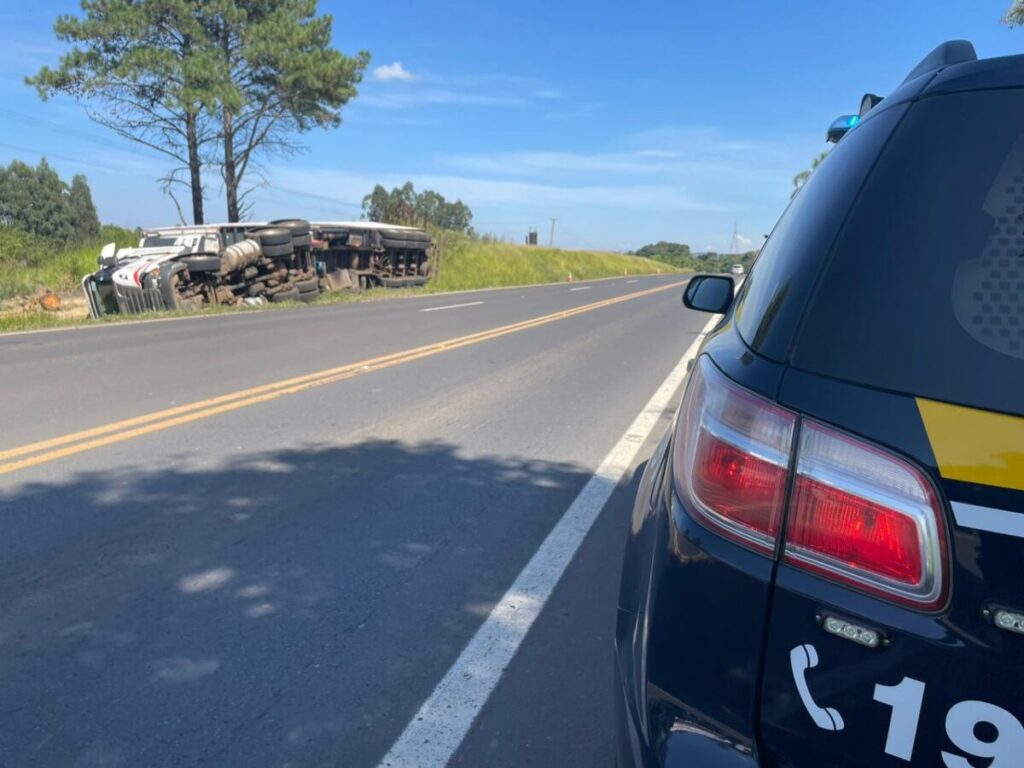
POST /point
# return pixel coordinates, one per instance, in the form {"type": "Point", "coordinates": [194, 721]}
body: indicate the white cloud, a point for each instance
{"type": "Point", "coordinates": [20, 56]}
{"type": "Point", "coordinates": [525, 163]}
{"type": "Point", "coordinates": [406, 99]}
{"type": "Point", "coordinates": [500, 192]}
{"type": "Point", "coordinates": [689, 184]}
{"type": "Point", "coordinates": [700, 160]}
{"type": "Point", "coordinates": [453, 90]}
{"type": "Point", "coordinates": [393, 71]}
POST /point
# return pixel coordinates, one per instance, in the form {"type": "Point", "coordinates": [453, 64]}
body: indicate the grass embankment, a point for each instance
{"type": "Point", "coordinates": [28, 262]}
{"type": "Point", "coordinates": [464, 265]}
{"type": "Point", "coordinates": [469, 264]}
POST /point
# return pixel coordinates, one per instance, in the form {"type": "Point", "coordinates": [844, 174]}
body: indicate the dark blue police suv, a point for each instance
{"type": "Point", "coordinates": [825, 565]}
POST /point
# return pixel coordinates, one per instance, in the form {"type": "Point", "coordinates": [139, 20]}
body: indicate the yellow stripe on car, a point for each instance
{"type": "Point", "coordinates": [975, 446]}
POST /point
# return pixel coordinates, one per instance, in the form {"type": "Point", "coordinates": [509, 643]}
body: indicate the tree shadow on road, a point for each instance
{"type": "Point", "coordinates": [270, 610]}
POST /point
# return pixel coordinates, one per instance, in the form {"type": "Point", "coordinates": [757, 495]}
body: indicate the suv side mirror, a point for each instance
{"type": "Point", "coordinates": [709, 293]}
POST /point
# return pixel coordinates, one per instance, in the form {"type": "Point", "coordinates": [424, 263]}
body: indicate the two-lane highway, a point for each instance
{"type": "Point", "coordinates": [266, 538]}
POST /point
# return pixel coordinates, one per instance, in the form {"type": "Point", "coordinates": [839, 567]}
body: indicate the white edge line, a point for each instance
{"type": "Point", "coordinates": [442, 722]}
{"type": "Point", "coordinates": [452, 306]}
{"type": "Point", "coordinates": [581, 288]}
{"type": "Point", "coordinates": [989, 519]}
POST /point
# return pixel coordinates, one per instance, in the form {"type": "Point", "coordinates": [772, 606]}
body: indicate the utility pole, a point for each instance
{"type": "Point", "coordinates": [732, 244]}
{"type": "Point", "coordinates": [551, 239]}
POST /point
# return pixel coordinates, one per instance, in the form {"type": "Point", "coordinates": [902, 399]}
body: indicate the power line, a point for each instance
{"type": "Point", "coordinates": [313, 196]}
{"type": "Point", "coordinates": [58, 157]}
{"type": "Point", "coordinates": [20, 118]}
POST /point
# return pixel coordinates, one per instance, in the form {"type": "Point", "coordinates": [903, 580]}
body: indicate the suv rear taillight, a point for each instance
{"type": "Point", "coordinates": [732, 458]}
{"type": "Point", "coordinates": [867, 518]}
{"type": "Point", "coordinates": [857, 514]}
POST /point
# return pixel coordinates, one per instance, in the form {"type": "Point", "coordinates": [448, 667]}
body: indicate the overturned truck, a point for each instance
{"type": "Point", "coordinates": [187, 268]}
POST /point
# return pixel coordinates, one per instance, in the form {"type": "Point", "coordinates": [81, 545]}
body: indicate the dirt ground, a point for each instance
{"type": "Point", "coordinates": [72, 305]}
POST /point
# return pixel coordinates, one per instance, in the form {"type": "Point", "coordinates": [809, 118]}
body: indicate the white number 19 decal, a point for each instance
{"type": "Point", "coordinates": [905, 700]}
{"type": "Point", "coordinates": [1005, 746]}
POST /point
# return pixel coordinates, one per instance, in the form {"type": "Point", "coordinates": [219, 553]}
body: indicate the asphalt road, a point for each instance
{"type": "Point", "coordinates": [283, 582]}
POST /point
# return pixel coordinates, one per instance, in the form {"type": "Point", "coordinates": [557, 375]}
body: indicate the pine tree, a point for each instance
{"type": "Point", "coordinates": [278, 75]}
{"type": "Point", "coordinates": [149, 67]}
{"type": "Point", "coordinates": [50, 212]}
{"type": "Point", "coordinates": [177, 76]}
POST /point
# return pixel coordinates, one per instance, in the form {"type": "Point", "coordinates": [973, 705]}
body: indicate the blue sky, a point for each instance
{"type": "Point", "coordinates": [628, 122]}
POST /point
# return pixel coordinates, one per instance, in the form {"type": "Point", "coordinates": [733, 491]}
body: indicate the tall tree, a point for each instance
{"type": "Point", "coordinates": [83, 211]}
{"type": "Point", "coordinates": [280, 76]}
{"type": "Point", "coordinates": [51, 206]}
{"type": "Point", "coordinates": [148, 68]}
{"type": "Point", "coordinates": [404, 205]}
{"type": "Point", "coordinates": [18, 187]}
{"type": "Point", "coordinates": [36, 200]}
{"type": "Point", "coordinates": [1015, 15]}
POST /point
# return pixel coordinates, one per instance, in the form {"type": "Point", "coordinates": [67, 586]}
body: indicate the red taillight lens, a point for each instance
{"type": "Point", "coordinates": [862, 516]}
{"type": "Point", "coordinates": [855, 531]}
{"type": "Point", "coordinates": [857, 514]}
{"type": "Point", "coordinates": [732, 457]}
{"type": "Point", "coordinates": [737, 485]}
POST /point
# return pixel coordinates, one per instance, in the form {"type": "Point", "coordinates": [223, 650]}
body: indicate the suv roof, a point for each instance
{"type": "Point", "coordinates": [953, 67]}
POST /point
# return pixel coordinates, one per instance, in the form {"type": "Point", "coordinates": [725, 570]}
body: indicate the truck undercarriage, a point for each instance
{"type": "Point", "coordinates": [186, 268]}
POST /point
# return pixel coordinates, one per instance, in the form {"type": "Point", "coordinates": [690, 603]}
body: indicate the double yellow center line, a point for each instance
{"type": "Point", "coordinates": [32, 454]}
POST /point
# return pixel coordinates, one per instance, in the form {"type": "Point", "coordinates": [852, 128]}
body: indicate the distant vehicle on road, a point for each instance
{"type": "Point", "coordinates": [286, 260]}
{"type": "Point", "coordinates": [823, 567]}
{"type": "Point", "coordinates": [736, 269]}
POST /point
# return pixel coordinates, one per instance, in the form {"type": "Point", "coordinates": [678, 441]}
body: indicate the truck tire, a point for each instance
{"type": "Point", "coordinates": [298, 227]}
{"type": "Point", "coordinates": [290, 294]}
{"type": "Point", "coordinates": [309, 296]}
{"type": "Point", "coordinates": [302, 241]}
{"type": "Point", "coordinates": [201, 263]}
{"type": "Point", "coordinates": [312, 285]}
{"type": "Point", "coordinates": [414, 235]}
{"type": "Point", "coordinates": [403, 245]}
{"type": "Point", "coordinates": [273, 236]}
{"type": "Point", "coordinates": [277, 251]}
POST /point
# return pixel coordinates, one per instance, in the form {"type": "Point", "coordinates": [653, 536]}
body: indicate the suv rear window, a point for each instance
{"type": "Point", "coordinates": [924, 291]}
{"type": "Point", "coordinates": [774, 297]}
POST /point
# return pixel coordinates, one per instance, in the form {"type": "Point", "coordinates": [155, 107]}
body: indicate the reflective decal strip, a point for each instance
{"type": "Point", "coordinates": [975, 446]}
{"type": "Point", "coordinates": [989, 519]}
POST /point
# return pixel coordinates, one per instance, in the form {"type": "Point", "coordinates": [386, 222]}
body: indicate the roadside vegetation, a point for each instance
{"type": "Point", "coordinates": [466, 263]}
{"type": "Point", "coordinates": [679, 255]}
{"type": "Point", "coordinates": [50, 234]}
{"type": "Point", "coordinates": [427, 209]}
{"type": "Point", "coordinates": [29, 262]}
